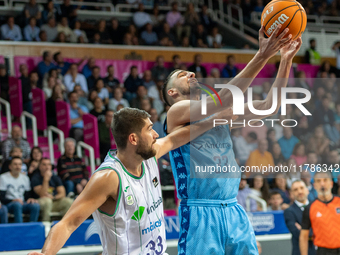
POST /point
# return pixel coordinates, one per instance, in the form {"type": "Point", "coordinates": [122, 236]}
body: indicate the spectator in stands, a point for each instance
{"type": "Point", "coordinates": [49, 191]}
{"type": "Point", "coordinates": [82, 100]}
{"type": "Point", "coordinates": [4, 85]}
{"type": "Point", "coordinates": [57, 95]}
{"type": "Point", "coordinates": [251, 139]}
{"type": "Point", "coordinates": [205, 18]}
{"type": "Point", "coordinates": [64, 27]}
{"type": "Point", "coordinates": [117, 99]}
{"type": "Point", "coordinates": [301, 82]}
{"type": "Point", "coordinates": [141, 18]}
{"type": "Point", "coordinates": [175, 19]}
{"type": "Point", "coordinates": [318, 143]}
{"type": "Point", "coordinates": [105, 37]}
{"type": "Point", "coordinates": [275, 201]}
{"type": "Point", "coordinates": [299, 154]}
{"type": "Point", "coordinates": [87, 69]}
{"type": "Point", "coordinates": [61, 38]}
{"type": "Point", "coordinates": [176, 63]}
{"type": "Point", "coordinates": [191, 19]}
{"type": "Point", "coordinates": [45, 65]}
{"type": "Point", "coordinates": [99, 110]}
{"type": "Point", "coordinates": [312, 56]}
{"type": "Point", "coordinates": [31, 9]}
{"type": "Point", "coordinates": [77, 33]}
{"type": "Point", "coordinates": [197, 68]}
{"type": "Point", "coordinates": [76, 114]}
{"type": "Point", "coordinates": [199, 34]}
{"type": "Point", "coordinates": [110, 81]}
{"type": "Point", "coordinates": [142, 93]}
{"type": "Point", "coordinates": [15, 193]}
{"type": "Point", "coordinates": [157, 125]}
{"type": "Point", "coordinates": [277, 155]}
{"type": "Point", "coordinates": [243, 192]}
{"type": "Point", "coordinates": [148, 82]}
{"type": "Point", "coordinates": [73, 78]}
{"type": "Point", "coordinates": [25, 88]}
{"type": "Point", "coordinates": [271, 138]}
{"type": "Point", "coordinates": [230, 70]}
{"type": "Point", "coordinates": [131, 83]}
{"type": "Point", "coordinates": [50, 85]}
{"type": "Point", "coordinates": [93, 78]}
{"type": "Point", "coordinates": [149, 36]}
{"type": "Point", "coordinates": [260, 157]}
{"type": "Point", "coordinates": [280, 185]}
{"type": "Point", "coordinates": [306, 178]}
{"type": "Point", "coordinates": [69, 11]}
{"type": "Point", "coordinates": [166, 32]}
{"type": "Point", "coordinates": [325, 116]}
{"type": "Point", "coordinates": [328, 68]}
{"type": "Point", "coordinates": [90, 101]}
{"type": "Point", "coordinates": [35, 157]}
{"type": "Point", "coordinates": [10, 31]}
{"type": "Point", "coordinates": [104, 134]}
{"type": "Point", "coordinates": [333, 160]}
{"type": "Point", "coordinates": [62, 65]}
{"type": "Point", "coordinates": [336, 48]}
{"type": "Point", "coordinates": [49, 12]}
{"type": "Point", "coordinates": [287, 142]}
{"type": "Point", "coordinates": [72, 170]}
{"type": "Point", "coordinates": [51, 30]}
{"type": "Point", "coordinates": [293, 215]}
{"type": "Point", "coordinates": [16, 141]}
{"type": "Point", "coordinates": [241, 148]}
{"type": "Point", "coordinates": [157, 19]}
{"type": "Point", "coordinates": [159, 72]}
{"type": "Point", "coordinates": [116, 32]}
{"type": "Point", "coordinates": [31, 31]}
{"type": "Point", "coordinates": [146, 104]}
{"type": "Point", "coordinates": [34, 78]}
{"type": "Point", "coordinates": [15, 152]}
{"type": "Point", "coordinates": [216, 38]}
{"type": "Point", "coordinates": [259, 6]}
{"type": "Point", "coordinates": [259, 187]}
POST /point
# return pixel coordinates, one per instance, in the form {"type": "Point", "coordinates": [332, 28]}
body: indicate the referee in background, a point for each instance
{"type": "Point", "coordinates": [323, 216]}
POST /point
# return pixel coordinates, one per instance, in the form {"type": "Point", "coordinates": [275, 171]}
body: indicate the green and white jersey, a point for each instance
{"type": "Point", "coordinates": [137, 225]}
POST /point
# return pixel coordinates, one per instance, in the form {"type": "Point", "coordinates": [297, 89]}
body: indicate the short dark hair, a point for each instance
{"type": "Point", "coordinates": [175, 56]}
{"type": "Point", "coordinates": [107, 68]}
{"type": "Point", "coordinates": [322, 172]}
{"type": "Point", "coordinates": [13, 158]}
{"type": "Point", "coordinates": [132, 67]}
{"type": "Point", "coordinates": [69, 94]}
{"type": "Point", "coordinates": [45, 54]}
{"type": "Point", "coordinates": [95, 67]}
{"type": "Point", "coordinates": [127, 121]}
{"type": "Point", "coordinates": [273, 193]}
{"type": "Point", "coordinates": [252, 135]}
{"type": "Point", "coordinates": [165, 85]}
{"type": "Point", "coordinates": [56, 55]}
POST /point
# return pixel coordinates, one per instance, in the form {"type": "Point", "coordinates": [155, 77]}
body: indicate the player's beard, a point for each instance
{"type": "Point", "coordinates": [144, 150]}
{"type": "Point", "coordinates": [192, 91]}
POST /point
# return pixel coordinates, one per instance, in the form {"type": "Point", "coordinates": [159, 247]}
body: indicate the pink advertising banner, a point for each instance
{"type": "Point", "coordinates": [2, 60]}
{"type": "Point", "coordinates": [39, 108]}
{"type": "Point", "coordinates": [15, 96]}
{"type": "Point", "coordinates": [63, 117]}
{"type": "Point", "coordinates": [122, 67]}
{"type": "Point", "coordinates": [91, 136]}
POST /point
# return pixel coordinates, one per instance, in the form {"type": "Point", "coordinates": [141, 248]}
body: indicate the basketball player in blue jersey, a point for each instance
{"type": "Point", "coordinates": [123, 186]}
{"type": "Point", "coordinates": [211, 220]}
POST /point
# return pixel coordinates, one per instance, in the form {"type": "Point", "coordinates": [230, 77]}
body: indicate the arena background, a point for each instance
{"type": "Point", "coordinates": [84, 34]}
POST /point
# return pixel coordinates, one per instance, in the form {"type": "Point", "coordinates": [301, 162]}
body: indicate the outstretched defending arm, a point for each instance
{"type": "Point", "coordinates": [187, 133]}
{"type": "Point", "coordinates": [287, 55]}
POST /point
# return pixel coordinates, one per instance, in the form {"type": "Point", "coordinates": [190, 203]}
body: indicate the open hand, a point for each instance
{"type": "Point", "coordinates": [270, 46]}
{"type": "Point", "coordinates": [290, 49]}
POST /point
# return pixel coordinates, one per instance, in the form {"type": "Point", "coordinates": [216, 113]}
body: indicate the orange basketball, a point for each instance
{"type": "Point", "coordinates": [288, 13]}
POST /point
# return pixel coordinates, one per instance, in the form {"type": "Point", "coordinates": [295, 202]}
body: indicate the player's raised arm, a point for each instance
{"type": "Point", "coordinates": [287, 55]}
{"type": "Point", "coordinates": [102, 185]}
{"type": "Point", "coordinates": [185, 134]}
{"type": "Point", "coordinates": [184, 111]}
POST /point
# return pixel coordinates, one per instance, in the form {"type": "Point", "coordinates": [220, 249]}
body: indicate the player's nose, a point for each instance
{"type": "Point", "coordinates": [191, 75]}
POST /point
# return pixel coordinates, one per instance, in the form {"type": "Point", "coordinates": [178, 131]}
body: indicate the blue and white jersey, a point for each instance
{"type": "Point", "coordinates": [205, 168]}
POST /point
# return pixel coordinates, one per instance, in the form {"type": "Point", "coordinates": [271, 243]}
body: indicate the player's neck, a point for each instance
{"type": "Point", "coordinates": [132, 163]}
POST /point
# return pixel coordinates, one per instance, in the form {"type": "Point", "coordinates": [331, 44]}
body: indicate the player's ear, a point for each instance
{"type": "Point", "coordinates": [172, 92]}
{"type": "Point", "coordinates": [133, 138]}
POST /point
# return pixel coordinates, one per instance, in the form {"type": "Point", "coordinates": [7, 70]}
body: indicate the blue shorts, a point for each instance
{"type": "Point", "coordinates": [215, 227]}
